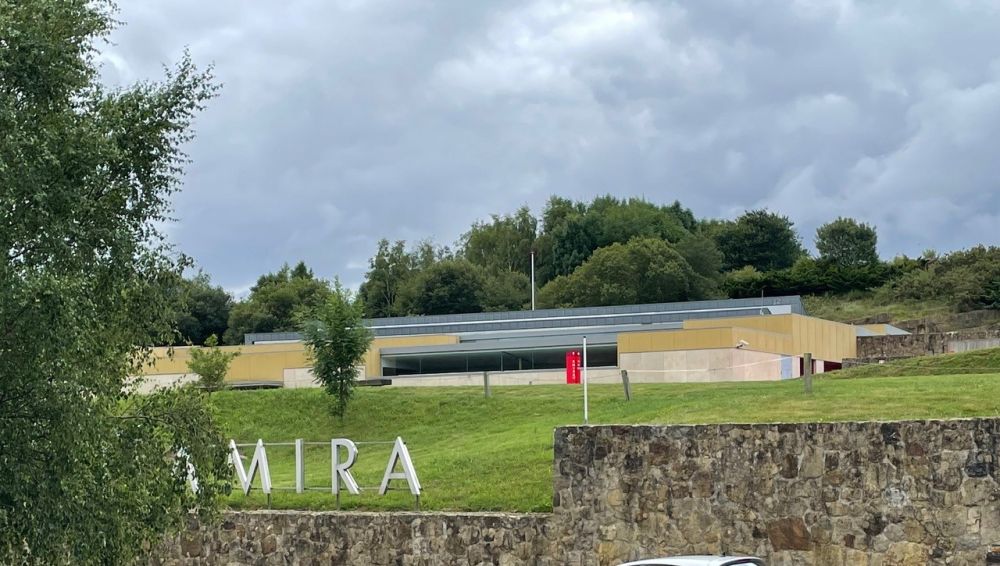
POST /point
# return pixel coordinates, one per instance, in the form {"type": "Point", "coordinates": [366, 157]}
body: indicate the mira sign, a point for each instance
{"type": "Point", "coordinates": [343, 454]}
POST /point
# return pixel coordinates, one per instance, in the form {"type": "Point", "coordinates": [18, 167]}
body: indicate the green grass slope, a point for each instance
{"type": "Point", "coordinates": [479, 454]}
{"type": "Point", "coordinates": [978, 361]}
{"type": "Point", "coordinates": [857, 307]}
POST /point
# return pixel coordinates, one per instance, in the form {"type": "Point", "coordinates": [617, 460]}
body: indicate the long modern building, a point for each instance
{"type": "Point", "coordinates": [724, 340]}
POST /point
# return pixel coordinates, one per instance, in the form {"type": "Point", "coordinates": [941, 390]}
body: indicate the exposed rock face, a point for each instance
{"type": "Point", "coordinates": [921, 492]}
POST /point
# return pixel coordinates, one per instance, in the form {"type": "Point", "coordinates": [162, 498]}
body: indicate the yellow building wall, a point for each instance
{"type": "Point", "coordinates": [826, 340]}
{"type": "Point", "coordinates": [267, 362]}
{"type": "Point", "coordinates": [778, 323]}
{"type": "Point", "coordinates": [704, 339]}
{"type": "Point", "coordinates": [670, 340]}
{"type": "Point", "coordinates": [787, 334]}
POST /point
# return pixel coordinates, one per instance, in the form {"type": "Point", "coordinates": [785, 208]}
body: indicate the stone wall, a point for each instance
{"type": "Point", "coordinates": [910, 345]}
{"type": "Point", "coordinates": [369, 539]}
{"type": "Point", "coordinates": [876, 494]}
{"type": "Point", "coordinates": [921, 492]}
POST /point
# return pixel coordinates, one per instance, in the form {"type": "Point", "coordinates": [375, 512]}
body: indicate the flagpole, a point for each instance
{"type": "Point", "coordinates": [586, 416]}
{"type": "Point", "coordinates": [532, 279]}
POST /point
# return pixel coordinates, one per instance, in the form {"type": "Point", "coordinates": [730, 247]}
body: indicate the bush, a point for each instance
{"type": "Point", "coordinates": [211, 364]}
{"type": "Point", "coordinates": [967, 279]}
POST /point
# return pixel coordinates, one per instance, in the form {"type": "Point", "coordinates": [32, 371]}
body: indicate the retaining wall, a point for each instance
{"type": "Point", "coordinates": [910, 345]}
{"type": "Point", "coordinates": [877, 494]}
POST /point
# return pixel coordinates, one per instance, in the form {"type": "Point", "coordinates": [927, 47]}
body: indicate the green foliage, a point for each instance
{"type": "Point", "coordinates": [705, 259]}
{"type": "Point", "coordinates": [390, 286]}
{"type": "Point", "coordinates": [645, 270]}
{"type": "Point", "coordinates": [504, 244]}
{"type": "Point", "coordinates": [758, 253]}
{"type": "Point", "coordinates": [573, 242]}
{"type": "Point", "coordinates": [389, 270]}
{"type": "Point", "coordinates": [847, 243]}
{"type": "Point", "coordinates": [211, 363]}
{"type": "Point", "coordinates": [337, 342]}
{"type": "Point", "coordinates": [763, 240]}
{"type": "Point", "coordinates": [203, 310]}
{"type": "Point", "coordinates": [744, 283]}
{"type": "Point", "coordinates": [276, 302]}
{"type": "Point", "coordinates": [967, 279]}
{"type": "Point", "coordinates": [91, 471]}
{"type": "Point", "coordinates": [506, 291]}
{"type": "Point", "coordinates": [573, 231]}
{"type": "Point", "coordinates": [450, 286]}
{"type": "Point", "coordinates": [806, 277]}
{"type": "Point", "coordinates": [618, 221]}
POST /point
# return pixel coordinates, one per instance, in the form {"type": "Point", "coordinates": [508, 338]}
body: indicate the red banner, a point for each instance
{"type": "Point", "coordinates": [573, 363]}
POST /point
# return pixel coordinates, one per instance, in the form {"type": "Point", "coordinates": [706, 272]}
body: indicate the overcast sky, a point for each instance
{"type": "Point", "coordinates": [343, 122]}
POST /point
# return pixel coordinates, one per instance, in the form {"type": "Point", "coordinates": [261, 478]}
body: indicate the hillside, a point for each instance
{"type": "Point", "coordinates": [975, 362]}
{"type": "Point", "coordinates": [496, 454]}
{"type": "Point", "coordinates": [915, 316]}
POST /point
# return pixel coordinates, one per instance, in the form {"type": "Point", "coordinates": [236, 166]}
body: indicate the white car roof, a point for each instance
{"type": "Point", "coordinates": [699, 561]}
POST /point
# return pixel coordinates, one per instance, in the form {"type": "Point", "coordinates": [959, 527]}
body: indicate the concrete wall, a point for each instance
{"type": "Point", "coordinates": [527, 377]}
{"type": "Point", "coordinates": [865, 494]}
{"type": "Point", "coordinates": [698, 366]}
{"type": "Point", "coordinates": [150, 383]}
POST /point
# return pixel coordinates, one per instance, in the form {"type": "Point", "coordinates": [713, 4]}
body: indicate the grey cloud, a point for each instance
{"type": "Point", "coordinates": [343, 122]}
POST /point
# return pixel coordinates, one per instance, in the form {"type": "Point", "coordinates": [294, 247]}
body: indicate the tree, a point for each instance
{"type": "Point", "coordinates": [760, 239]}
{"type": "Point", "coordinates": [705, 260]}
{"type": "Point", "coordinates": [645, 270]}
{"type": "Point", "coordinates": [276, 302]}
{"type": "Point", "coordinates": [506, 291]}
{"type": "Point", "coordinates": [337, 342]}
{"type": "Point", "coordinates": [389, 286]}
{"type": "Point", "coordinates": [618, 221]}
{"type": "Point", "coordinates": [92, 471]}
{"type": "Point", "coordinates": [211, 363]}
{"type": "Point", "coordinates": [503, 244]}
{"type": "Point", "coordinates": [448, 287]}
{"type": "Point", "coordinates": [574, 231]}
{"type": "Point", "coordinates": [572, 243]}
{"type": "Point", "coordinates": [203, 310]}
{"type": "Point", "coordinates": [389, 270]}
{"type": "Point", "coordinates": [847, 243]}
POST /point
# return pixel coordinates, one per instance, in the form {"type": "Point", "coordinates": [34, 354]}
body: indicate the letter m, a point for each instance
{"type": "Point", "coordinates": [259, 462]}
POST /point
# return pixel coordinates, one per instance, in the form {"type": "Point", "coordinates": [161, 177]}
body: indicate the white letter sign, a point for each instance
{"type": "Point", "coordinates": [401, 454]}
{"type": "Point", "coordinates": [342, 470]}
{"type": "Point", "coordinates": [259, 461]}
{"type": "Point", "coordinates": [343, 455]}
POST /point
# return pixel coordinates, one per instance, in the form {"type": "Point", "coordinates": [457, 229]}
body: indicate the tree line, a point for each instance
{"type": "Point", "coordinates": [608, 251]}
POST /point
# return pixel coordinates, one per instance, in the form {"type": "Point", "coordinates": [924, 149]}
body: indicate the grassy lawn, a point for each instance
{"type": "Point", "coordinates": [481, 454]}
{"type": "Point", "coordinates": [977, 361]}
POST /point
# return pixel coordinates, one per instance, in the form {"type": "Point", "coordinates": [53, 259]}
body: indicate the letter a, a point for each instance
{"type": "Point", "coordinates": [259, 462]}
{"type": "Point", "coordinates": [402, 455]}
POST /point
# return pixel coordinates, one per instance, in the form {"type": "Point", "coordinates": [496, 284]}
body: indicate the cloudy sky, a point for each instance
{"type": "Point", "coordinates": [342, 122]}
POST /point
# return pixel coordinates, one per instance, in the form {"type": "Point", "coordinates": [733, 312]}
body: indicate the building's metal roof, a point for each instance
{"type": "Point", "coordinates": [551, 322]}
